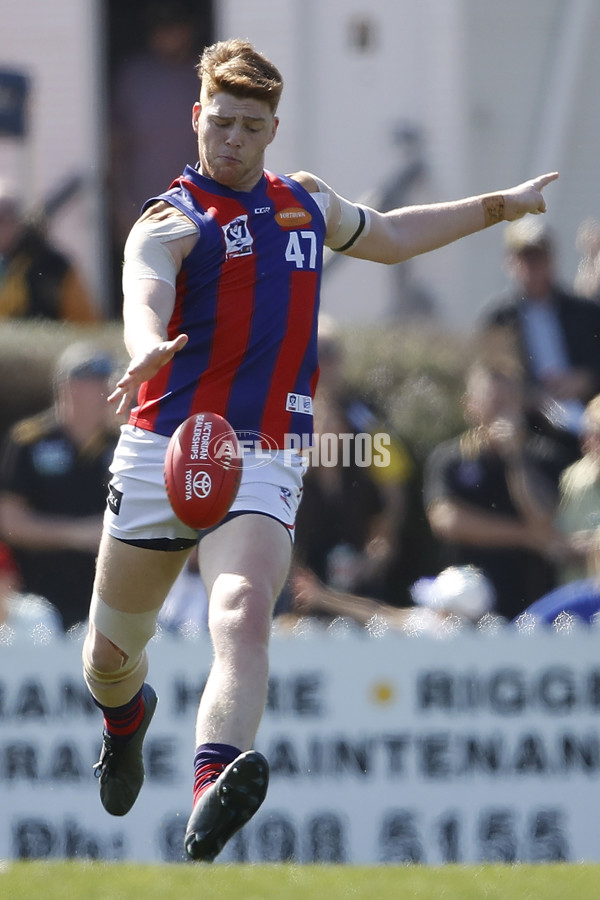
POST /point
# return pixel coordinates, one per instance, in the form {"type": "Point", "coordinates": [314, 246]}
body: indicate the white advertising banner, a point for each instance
{"type": "Point", "coordinates": [382, 750]}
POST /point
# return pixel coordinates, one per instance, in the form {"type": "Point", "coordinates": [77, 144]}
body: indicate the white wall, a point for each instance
{"type": "Point", "coordinates": [499, 89]}
{"type": "Point", "coordinates": [59, 47]}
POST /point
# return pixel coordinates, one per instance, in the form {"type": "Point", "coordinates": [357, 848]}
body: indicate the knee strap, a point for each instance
{"type": "Point", "coordinates": [97, 678]}
{"type": "Point", "coordinates": [129, 632]}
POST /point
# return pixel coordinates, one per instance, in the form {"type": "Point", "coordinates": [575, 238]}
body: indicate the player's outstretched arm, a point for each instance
{"type": "Point", "coordinates": [402, 233]}
{"type": "Point", "coordinates": [153, 256]}
{"type": "Point", "coordinates": [146, 312]}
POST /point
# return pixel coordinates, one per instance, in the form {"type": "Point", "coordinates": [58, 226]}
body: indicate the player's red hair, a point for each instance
{"type": "Point", "coordinates": [235, 66]}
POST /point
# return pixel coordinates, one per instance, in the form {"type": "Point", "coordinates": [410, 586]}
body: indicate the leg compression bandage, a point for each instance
{"type": "Point", "coordinates": [129, 633]}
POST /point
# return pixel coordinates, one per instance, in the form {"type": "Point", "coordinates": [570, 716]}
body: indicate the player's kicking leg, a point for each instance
{"type": "Point", "coordinates": [244, 564]}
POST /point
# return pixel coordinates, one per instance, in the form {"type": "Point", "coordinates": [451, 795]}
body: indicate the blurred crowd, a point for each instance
{"type": "Point", "coordinates": [511, 503]}
{"type": "Point", "coordinates": [496, 524]}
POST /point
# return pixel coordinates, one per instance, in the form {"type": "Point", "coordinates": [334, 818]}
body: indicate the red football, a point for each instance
{"type": "Point", "coordinates": [203, 468]}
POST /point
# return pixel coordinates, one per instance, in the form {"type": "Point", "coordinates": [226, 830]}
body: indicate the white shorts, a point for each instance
{"type": "Point", "coordinates": [138, 507]}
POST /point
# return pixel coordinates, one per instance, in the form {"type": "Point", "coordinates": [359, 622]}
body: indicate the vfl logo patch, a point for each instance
{"type": "Point", "coordinates": [293, 217]}
{"type": "Point", "coordinates": [300, 403]}
{"type": "Point", "coordinates": [238, 240]}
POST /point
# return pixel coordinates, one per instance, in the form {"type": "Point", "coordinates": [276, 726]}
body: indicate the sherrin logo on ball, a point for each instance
{"type": "Point", "coordinates": [203, 469]}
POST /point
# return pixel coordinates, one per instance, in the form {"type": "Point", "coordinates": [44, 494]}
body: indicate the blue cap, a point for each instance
{"type": "Point", "coordinates": [84, 360]}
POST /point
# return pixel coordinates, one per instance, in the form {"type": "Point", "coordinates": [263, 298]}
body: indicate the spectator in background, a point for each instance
{"type": "Point", "coordinates": [395, 548]}
{"type": "Point", "coordinates": [338, 529]}
{"type": "Point", "coordinates": [587, 242]}
{"type": "Point", "coordinates": [459, 596]}
{"type": "Point", "coordinates": [574, 601]}
{"type": "Point", "coordinates": [578, 515]}
{"type": "Point", "coordinates": [36, 279]}
{"type": "Point", "coordinates": [23, 615]}
{"type": "Point", "coordinates": [53, 483]}
{"type": "Point", "coordinates": [492, 492]}
{"type": "Point", "coordinates": [152, 95]}
{"type": "Point", "coordinates": [556, 334]}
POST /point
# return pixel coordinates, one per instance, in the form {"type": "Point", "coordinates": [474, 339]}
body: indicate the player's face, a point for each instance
{"type": "Point", "coordinates": [233, 134]}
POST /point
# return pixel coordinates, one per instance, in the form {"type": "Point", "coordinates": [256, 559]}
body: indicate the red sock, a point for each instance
{"type": "Point", "coordinates": [209, 762]}
{"type": "Point", "coordinates": [123, 721]}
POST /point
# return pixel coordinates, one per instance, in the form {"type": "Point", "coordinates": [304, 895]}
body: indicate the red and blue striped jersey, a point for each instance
{"type": "Point", "coordinates": [247, 296]}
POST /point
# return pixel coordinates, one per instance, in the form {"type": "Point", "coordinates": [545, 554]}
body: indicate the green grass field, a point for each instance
{"type": "Point", "coordinates": [101, 881]}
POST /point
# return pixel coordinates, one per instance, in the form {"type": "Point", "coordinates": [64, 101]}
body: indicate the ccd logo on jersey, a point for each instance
{"type": "Point", "coordinates": [198, 484]}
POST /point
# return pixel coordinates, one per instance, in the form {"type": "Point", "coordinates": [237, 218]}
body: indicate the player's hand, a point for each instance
{"type": "Point", "coordinates": [527, 197]}
{"type": "Point", "coordinates": [142, 368]}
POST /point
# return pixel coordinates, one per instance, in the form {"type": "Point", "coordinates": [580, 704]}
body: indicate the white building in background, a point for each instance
{"type": "Point", "coordinates": [500, 90]}
{"type": "Point", "coordinates": [495, 91]}
{"type": "Point", "coordinates": [59, 47]}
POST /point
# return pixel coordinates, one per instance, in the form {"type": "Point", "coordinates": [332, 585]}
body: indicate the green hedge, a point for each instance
{"type": "Point", "coordinates": [28, 354]}
{"type": "Point", "coordinates": [413, 372]}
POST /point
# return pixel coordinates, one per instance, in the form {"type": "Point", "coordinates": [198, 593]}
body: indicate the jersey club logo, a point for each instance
{"type": "Point", "coordinates": [238, 240]}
